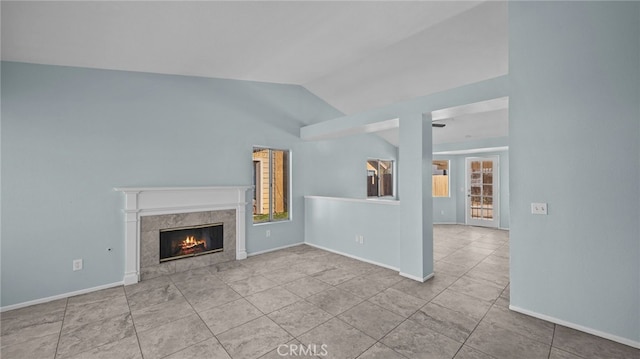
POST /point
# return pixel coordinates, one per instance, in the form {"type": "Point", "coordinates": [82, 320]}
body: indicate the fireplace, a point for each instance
{"type": "Point", "coordinates": [176, 243]}
{"type": "Point", "coordinates": [151, 209]}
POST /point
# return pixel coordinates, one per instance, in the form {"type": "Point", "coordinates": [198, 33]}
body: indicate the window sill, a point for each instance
{"type": "Point", "coordinates": [273, 222]}
{"type": "Point", "coordinates": [387, 198]}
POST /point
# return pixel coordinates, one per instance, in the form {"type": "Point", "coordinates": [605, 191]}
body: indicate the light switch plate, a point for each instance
{"type": "Point", "coordinates": [538, 208]}
{"type": "Point", "coordinates": [77, 264]}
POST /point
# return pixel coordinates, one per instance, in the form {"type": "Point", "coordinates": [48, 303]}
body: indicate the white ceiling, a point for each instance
{"type": "Point", "coordinates": [356, 55]}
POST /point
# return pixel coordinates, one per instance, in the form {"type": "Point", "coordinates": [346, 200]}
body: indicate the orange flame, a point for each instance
{"type": "Point", "coordinates": [191, 242]}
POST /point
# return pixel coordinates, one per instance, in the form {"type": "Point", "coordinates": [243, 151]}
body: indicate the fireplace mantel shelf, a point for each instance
{"type": "Point", "coordinates": [201, 188]}
{"type": "Point", "coordinates": [147, 201]}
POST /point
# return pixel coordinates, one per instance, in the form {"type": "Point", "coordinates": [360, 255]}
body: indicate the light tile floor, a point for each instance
{"type": "Point", "coordinates": [303, 295]}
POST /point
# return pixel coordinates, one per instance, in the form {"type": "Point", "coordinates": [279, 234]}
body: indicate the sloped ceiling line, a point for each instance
{"type": "Point", "coordinates": [354, 55]}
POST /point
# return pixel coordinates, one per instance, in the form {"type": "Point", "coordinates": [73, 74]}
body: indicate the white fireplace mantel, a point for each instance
{"type": "Point", "coordinates": [148, 201]}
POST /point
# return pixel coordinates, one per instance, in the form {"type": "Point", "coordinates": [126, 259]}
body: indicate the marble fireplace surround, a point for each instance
{"type": "Point", "coordinates": [173, 203]}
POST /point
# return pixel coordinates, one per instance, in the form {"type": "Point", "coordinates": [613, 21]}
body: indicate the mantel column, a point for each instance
{"type": "Point", "coordinates": [241, 246]}
{"type": "Point", "coordinates": [132, 243]}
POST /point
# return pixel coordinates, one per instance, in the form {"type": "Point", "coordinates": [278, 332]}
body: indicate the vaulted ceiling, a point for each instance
{"type": "Point", "coordinates": [356, 55]}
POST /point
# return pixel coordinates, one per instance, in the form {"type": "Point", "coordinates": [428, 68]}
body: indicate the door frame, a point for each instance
{"type": "Point", "coordinates": [495, 222]}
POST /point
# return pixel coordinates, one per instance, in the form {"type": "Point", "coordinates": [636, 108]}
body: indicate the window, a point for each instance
{"type": "Point", "coordinates": [440, 178]}
{"type": "Point", "coordinates": [379, 178]}
{"type": "Point", "coordinates": [270, 185]}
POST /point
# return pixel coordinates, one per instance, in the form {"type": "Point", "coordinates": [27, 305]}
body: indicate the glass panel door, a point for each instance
{"type": "Point", "coordinates": [482, 192]}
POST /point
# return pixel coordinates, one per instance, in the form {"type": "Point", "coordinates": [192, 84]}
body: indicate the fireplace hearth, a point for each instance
{"type": "Point", "coordinates": [176, 243]}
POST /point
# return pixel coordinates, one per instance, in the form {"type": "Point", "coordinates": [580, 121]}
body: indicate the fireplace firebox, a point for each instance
{"type": "Point", "coordinates": [176, 243]}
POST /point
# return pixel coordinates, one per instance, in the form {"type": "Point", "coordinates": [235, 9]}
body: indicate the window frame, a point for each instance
{"type": "Point", "coordinates": [448, 178]}
{"type": "Point", "coordinates": [289, 177]}
{"type": "Point", "coordinates": [393, 178]}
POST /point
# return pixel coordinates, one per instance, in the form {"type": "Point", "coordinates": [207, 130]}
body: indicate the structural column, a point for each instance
{"type": "Point", "coordinates": [414, 191]}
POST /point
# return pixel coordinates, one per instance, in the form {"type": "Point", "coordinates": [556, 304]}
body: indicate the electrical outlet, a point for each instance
{"type": "Point", "coordinates": [77, 264]}
{"type": "Point", "coordinates": [361, 239]}
{"type": "Point", "coordinates": [538, 208]}
{"type": "Point", "coordinates": [268, 233]}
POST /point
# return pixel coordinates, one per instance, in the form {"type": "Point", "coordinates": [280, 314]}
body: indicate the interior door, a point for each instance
{"type": "Point", "coordinates": [482, 192]}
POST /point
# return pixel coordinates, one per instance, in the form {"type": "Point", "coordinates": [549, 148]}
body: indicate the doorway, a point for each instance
{"type": "Point", "coordinates": [483, 189]}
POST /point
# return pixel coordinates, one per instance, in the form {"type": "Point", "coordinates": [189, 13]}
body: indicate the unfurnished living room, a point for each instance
{"type": "Point", "coordinates": [339, 179]}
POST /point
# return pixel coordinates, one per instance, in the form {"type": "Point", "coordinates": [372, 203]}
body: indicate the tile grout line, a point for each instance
{"type": "Point", "coordinates": [376, 341]}
{"type": "Point", "coordinates": [133, 322]}
{"type": "Point", "coordinates": [196, 312]}
{"type": "Point", "coordinates": [553, 337]}
{"type": "Point", "coordinates": [493, 302]}
{"type": "Point", "coordinates": [336, 316]}
{"type": "Point", "coordinates": [66, 304]}
{"type": "Point", "coordinates": [266, 315]}
{"type": "Point", "coordinates": [485, 314]}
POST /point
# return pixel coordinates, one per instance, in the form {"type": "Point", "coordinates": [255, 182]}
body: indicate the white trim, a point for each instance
{"type": "Point", "coordinates": [615, 338]}
{"type": "Point", "coordinates": [290, 182]}
{"type": "Point", "coordinates": [274, 249]}
{"type": "Point", "coordinates": [474, 150]}
{"type": "Point", "coordinates": [195, 208]}
{"type": "Point", "coordinates": [182, 189]}
{"type": "Point", "coordinates": [272, 223]}
{"type": "Point", "coordinates": [59, 296]}
{"type": "Point", "coordinates": [422, 280]}
{"type": "Point", "coordinates": [476, 107]}
{"type": "Point", "coordinates": [259, 186]}
{"type": "Point", "coordinates": [331, 133]}
{"type": "Point", "coordinates": [352, 256]}
{"type": "Point", "coordinates": [378, 200]}
{"type": "Point", "coordinates": [148, 201]}
{"type": "Point", "coordinates": [464, 224]}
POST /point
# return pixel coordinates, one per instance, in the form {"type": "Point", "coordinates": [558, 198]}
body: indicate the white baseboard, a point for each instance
{"type": "Point", "coordinates": [464, 224]}
{"type": "Point", "coordinates": [352, 256]}
{"type": "Point", "coordinates": [130, 278]}
{"type": "Point", "coordinates": [615, 338]}
{"type": "Point", "coordinates": [274, 249]}
{"type": "Point", "coordinates": [59, 296]}
{"type": "Point", "coordinates": [422, 280]}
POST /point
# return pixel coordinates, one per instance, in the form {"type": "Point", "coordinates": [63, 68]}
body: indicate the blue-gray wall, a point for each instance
{"type": "Point", "coordinates": [70, 135]}
{"type": "Point", "coordinates": [575, 143]}
{"type": "Point", "coordinates": [333, 223]}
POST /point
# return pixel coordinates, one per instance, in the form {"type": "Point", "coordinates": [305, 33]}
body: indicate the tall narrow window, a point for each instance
{"type": "Point", "coordinates": [379, 178]}
{"type": "Point", "coordinates": [440, 178]}
{"type": "Point", "coordinates": [271, 185]}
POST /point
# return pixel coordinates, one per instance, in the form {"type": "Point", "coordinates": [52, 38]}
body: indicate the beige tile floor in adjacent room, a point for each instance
{"type": "Point", "coordinates": [263, 306]}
